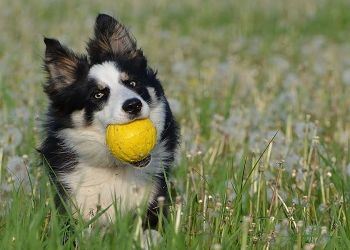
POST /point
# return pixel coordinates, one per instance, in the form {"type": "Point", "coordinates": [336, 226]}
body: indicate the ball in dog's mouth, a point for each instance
{"type": "Point", "coordinates": [132, 142]}
{"type": "Point", "coordinates": [143, 163]}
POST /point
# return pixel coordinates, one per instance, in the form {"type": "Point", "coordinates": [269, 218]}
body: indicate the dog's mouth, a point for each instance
{"type": "Point", "coordinates": [143, 163]}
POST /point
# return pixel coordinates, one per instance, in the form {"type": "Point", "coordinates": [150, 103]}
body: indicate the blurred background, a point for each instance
{"type": "Point", "coordinates": [235, 73]}
{"type": "Point", "coordinates": [238, 70]}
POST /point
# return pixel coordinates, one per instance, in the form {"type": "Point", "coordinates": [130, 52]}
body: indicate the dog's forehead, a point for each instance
{"type": "Point", "coordinates": [107, 73]}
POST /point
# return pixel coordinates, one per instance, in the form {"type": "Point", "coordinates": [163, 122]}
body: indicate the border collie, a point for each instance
{"type": "Point", "coordinates": [112, 84]}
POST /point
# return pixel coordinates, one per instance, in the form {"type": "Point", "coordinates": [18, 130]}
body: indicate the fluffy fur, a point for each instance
{"type": "Point", "coordinates": [89, 92]}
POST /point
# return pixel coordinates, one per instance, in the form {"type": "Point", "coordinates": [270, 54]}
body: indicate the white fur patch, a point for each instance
{"type": "Point", "coordinates": [95, 189]}
{"type": "Point", "coordinates": [157, 116]}
{"type": "Point", "coordinates": [78, 118]}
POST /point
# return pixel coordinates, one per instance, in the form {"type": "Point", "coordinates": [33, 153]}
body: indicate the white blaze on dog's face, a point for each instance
{"type": "Point", "coordinates": [123, 104]}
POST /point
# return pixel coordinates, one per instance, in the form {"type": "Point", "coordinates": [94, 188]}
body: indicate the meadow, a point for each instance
{"type": "Point", "coordinates": [261, 90]}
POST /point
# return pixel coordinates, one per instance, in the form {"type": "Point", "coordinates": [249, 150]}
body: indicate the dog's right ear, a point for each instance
{"type": "Point", "coordinates": [63, 66]}
{"type": "Point", "coordinates": [110, 38]}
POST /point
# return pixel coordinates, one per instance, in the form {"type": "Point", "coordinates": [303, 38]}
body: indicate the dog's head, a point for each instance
{"type": "Point", "coordinates": [113, 84]}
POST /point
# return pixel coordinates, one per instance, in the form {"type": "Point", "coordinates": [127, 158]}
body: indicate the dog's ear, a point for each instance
{"type": "Point", "coordinates": [62, 65]}
{"type": "Point", "coordinates": [111, 38]}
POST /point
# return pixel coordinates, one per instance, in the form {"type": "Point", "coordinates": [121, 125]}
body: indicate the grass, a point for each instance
{"type": "Point", "coordinates": [261, 90]}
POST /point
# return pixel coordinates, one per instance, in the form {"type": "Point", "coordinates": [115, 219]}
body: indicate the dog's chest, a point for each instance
{"type": "Point", "coordinates": [95, 189]}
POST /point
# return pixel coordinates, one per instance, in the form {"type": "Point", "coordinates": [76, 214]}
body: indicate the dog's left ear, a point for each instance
{"type": "Point", "coordinates": [111, 38]}
{"type": "Point", "coordinates": [63, 66]}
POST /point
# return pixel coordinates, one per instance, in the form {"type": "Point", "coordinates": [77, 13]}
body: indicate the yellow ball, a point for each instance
{"type": "Point", "coordinates": [131, 142]}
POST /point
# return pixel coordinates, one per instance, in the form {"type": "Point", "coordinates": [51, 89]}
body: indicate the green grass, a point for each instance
{"type": "Point", "coordinates": [238, 72]}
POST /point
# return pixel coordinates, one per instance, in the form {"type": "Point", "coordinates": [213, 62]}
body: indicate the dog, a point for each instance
{"type": "Point", "coordinates": [111, 84]}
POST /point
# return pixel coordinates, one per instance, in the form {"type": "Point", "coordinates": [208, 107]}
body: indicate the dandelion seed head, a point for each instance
{"type": "Point", "coordinates": [12, 139]}
{"type": "Point", "coordinates": [175, 106]}
{"type": "Point", "coordinates": [18, 171]}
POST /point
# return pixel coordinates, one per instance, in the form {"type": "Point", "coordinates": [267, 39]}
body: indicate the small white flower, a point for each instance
{"type": "Point", "coordinates": [18, 170]}
{"type": "Point", "coordinates": [348, 169]}
{"type": "Point", "coordinates": [182, 68]}
{"type": "Point", "coordinates": [22, 113]}
{"type": "Point", "coordinates": [12, 139]}
{"type": "Point", "coordinates": [175, 106]}
{"type": "Point", "coordinates": [346, 77]}
{"type": "Point", "coordinates": [280, 62]}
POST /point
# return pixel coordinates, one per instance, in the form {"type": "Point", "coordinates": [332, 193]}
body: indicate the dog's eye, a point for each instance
{"type": "Point", "coordinates": [99, 95]}
{"type": "Point", "coordinates": [132, 84]}
{"type": "Point", "coordinates": [128, 83]}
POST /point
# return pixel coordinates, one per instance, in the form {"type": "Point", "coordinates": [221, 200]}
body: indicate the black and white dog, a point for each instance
{"type": "Point", "coordinates": [112, 84]}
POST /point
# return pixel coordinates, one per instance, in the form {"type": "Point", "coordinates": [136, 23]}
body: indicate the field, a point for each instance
{"type": "Point", "coordinates": [261, 90]}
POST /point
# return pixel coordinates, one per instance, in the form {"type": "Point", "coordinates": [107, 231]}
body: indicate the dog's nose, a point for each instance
{"type": "Point", "coordinates": [132, 106]}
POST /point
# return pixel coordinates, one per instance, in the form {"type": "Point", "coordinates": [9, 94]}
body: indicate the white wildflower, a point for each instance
{"type": "Point", "coordinates": [18, 171]}
{"type": "Point", "coordinates": [346, 77]}
{"type": "Point", "coordinates": [175, 106]}
{"type": "Point", "coordinates": [12, 139]}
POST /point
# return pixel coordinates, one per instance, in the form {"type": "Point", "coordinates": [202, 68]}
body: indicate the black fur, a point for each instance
{"type": "Point", "coordinates": [70, 90]}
